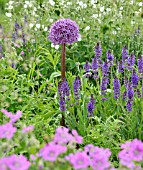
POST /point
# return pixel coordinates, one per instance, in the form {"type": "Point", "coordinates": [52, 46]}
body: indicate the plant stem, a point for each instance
{"type": "Point", "coordinates": [63, 68]}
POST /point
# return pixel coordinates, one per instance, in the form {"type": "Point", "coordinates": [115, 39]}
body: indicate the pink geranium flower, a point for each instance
{"type": "Point", "coordinates": [27, 129]}
{"type": "Point", "coordinates": [51, 151]}
{"type": "Point", "coordinates": [13, 117]}
{"type": "Point", "coordinates": [19, 162]}
{"type": "Point", "coordinates": [132, 152]}
{"type": "Point", "coordinates": [80, 160]}
{"type": "Point", "coordinates": [7, 131]}
{"type": "Point", "coordinates": [3, 163]}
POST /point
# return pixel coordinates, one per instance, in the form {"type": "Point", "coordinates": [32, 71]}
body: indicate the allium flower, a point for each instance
{"type": "Point", "coordinates": [135, 79]}
{"type": "Point", "coordinates": [19, 162]}
{"type": "Point", "coordinates": [131, 152]}
{"type": "Point", "coordinates": [80, 160]}
{"type": "Point", "coordinates": [124, 54]}
{"type": "Point", "coordinates": [91, 106]}
{"type": "Point", "coordinates": [7, 131]}
{"type": "Point", "coordinates": [64, 31]}
{"type": "Point", "coordinates": [51, 151]}
{"type": "Point", "coordinates": [98, 51]}
{"type": "Point", "coordinates": [27, 129]}
{"type": "Point", "coordinates": [117, 85]}
{"type": "Point", "coordinates": [76, 87]}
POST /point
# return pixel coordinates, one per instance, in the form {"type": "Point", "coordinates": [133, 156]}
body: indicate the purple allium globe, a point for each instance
{"type": "Point", "coordinates": [64, 31]}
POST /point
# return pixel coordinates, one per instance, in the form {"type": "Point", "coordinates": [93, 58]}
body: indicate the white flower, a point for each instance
{"type": "Point", "coordinates": [27, 2]}
{"type": "Point", "coordinates": [11, 2]}
{"type": "Point", "coordinates": [69, 3]}
{"type": "Point", "coordinates": [8, 15]}
{"type": "Point", "coordinates": [30, 5]}
{"type": "Point", "coordinates": [114, 32]}
{"type": "Point", "coordinates": [35, 9]}
{"type": "Point", "coordinates": [109, 90]}
{"type": "Point", "coordinates": [52, 2]}
{"type": "Point", "coordinates": [118, 28]}
{"type": "Point", "coordinates": [52, 45]}
{"type": "Point", "coordinates": [84, 6]}
{"type": "Point", "coordinates": [92, 2]}
{"type": "Point", "coordinates": [56, 47]}
{"type": "Point", "coordinates": [132, 22]}
{"type": "Point", "coordinates": [45, 29]}
{"type": "Point", "coordinates": [95, 16]}
{"type": "Point", "coordinates": [140, 9]}
{"type": "Point", "coordinates": [43, 26]}
{"type": "Point", "coordinates": [31, 25]}
{"type": "Point", "coordinates": [38, 25]}
{"type": "Point", "coordinates": [101, 8]}
{"type": "Point", "coordinates": [25, 5]}
{"type": "Point", "coordinates": [79, 38]}
{"type": "Point", "coordinates": [51, 20]}
{"type": "Point", "coordinates": [81, 3]}
{"type": "Point", "coordinates": [10, 7]}
{"type": "Point", "coordinates": [121, 8]}
{"type": "Point", "coordinates": [87, 28]}
{"type": "Point", "coordinates": [132, 1]}
{"type": "Point", "coordinates": [94, 5]}
{"type": "Point", "coordinates": [33, 13]}
{"type": "Point", "coordinates": [140, 3]}
{"type": "Point", "coordinates": [108, 9]}
{"type": "Point", "coordinates": [35, 29]}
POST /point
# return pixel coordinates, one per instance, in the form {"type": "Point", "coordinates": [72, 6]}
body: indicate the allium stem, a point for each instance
{"type": "Point", "coordinates": [63, 68]}
{"type": "Point", "coordinates": [63, 61]}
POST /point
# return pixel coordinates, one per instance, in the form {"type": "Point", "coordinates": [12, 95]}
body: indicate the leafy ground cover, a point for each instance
{"type": "Point", "coordinates": [101, 96]}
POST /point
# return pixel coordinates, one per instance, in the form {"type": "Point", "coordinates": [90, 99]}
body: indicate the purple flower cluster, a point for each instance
{"type": "Point", "coordinates": [76, 87]}
{"type": "Point", "coordinates": [140, 64]}
{"type": "Point", "coordinates": [117, 85]}
{"type": "Point", "coordinates": [14, 162]}
{"type": "Point", "coordinates": [64, 31]}
{"type": "Point", "coordinates": [130, 94]}
{"type": "Point", "coordinates": [91, 106]}
{"type": "Point", "coordinates": [64, 93]}
{"type": "Point", "coordinates": [103, 86]}
{"type": "Point", "coordinates": [131, 154]}
{"type": "Point", "coordinates": [124, 54]}
{"type": "Point", "coordinates": [131, 61]}
{"type": "Point", "coordinates": [134, 79]}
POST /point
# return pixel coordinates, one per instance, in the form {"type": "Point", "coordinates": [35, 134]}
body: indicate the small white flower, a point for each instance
{"type": "Point", "coordinates": [8, 15]}
{"type": "Point", "coordinates": [69, 3]}
{"type": "Point", "coordinates": [81, 3]}
{"type": "Point", "coordinates": [52, 2]}
{"type": "Point", "coordinates": [27, 2]}
{"type": "Point", "coordinates": [118, 28]}
{"type": "Point", "coordinates": [30, 5]}
{"type": "Point", "coordinates": [43, 26]}
{"type": "Point", "coordinates": [94, 5]}
{"type": "Point", "coordinates": [79, 38]}
{"type": "Point", "coordinates": [35, 29]}
{"type": "Point", "coordinates": [132, 1]}
{"type": "Point", "coordinates": [56, 47]}
{"type": "Point", "coordinates": [108, 9]}
{"type": "Point", "coordinates": [11, 2]}
{"type": "Point", "coordinates": [38, 25]}
{"type": "Point", "coordinates": [101, 8]}
{"type": "Point", "coordinates": [109, 90]}
{"type": "Point", "coordinates": [52, 45]}
{"type": "Point", "coordinates": [140, 3]}
{"type": "Point", "coordinates": [87, 28]}
{"type": "Point", "coordinates": [95, 16]}
{"type": "Point", "coordinates": [45, 29]}
{"type": "Point", "coordinates": [25, 5]}
{"type": "Point", "coordinates": [31, 25]}
{"type": "Point", "coordinates": [121, 8]}
{"type": "Point", "coordinates": [132, 22]}
{"type": "Point", "coordinates": [33, 13]}
{"type": "Point", "coordinates": [114, 32]}
{"type": "Point", "coordinates": [35, 9]}
{"type": "Point", "coordinates": [10, 7]}
{"type": "Point", "coordinates": [140, 9]}
{"type": "Point", "coordinates": [51, 20]}
{"type": "Point", "coordinates": [84, 6]}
